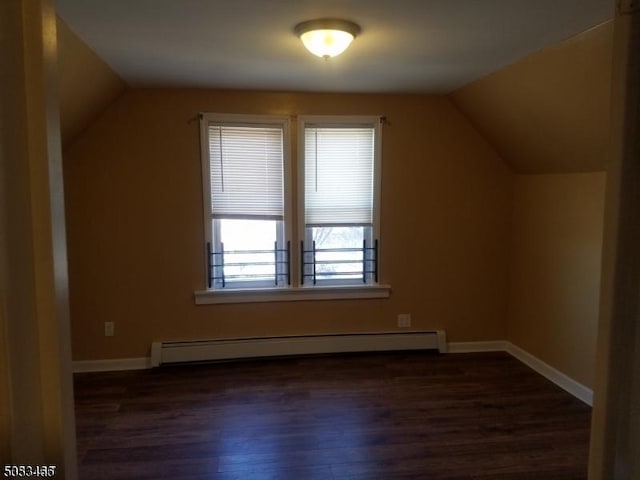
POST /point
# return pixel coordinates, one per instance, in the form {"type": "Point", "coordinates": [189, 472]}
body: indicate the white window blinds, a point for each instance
{"type": "Point", "coordinates": [246, 169]}
{"type": "Point", "coordinates": [339, 163]}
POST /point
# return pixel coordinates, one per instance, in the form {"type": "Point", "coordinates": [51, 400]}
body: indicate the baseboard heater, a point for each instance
{"type": "Point", "coordinates": [237, 348]}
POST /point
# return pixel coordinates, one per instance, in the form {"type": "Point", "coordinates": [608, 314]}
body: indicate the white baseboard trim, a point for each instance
{"type": "Point", "coordinates": [556, 376]}
{"type": "Point", "coordinates": [116, 364]}
{"type": "Point", "coordinates": [576, 389]}
{"type": "Point", "coordinates": [472, 347]}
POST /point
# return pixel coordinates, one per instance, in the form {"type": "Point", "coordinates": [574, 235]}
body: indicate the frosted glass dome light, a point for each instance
{"type": "Point", "coordinates": [327, 37]}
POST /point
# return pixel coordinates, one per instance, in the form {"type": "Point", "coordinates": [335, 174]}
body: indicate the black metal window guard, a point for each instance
{"type": "Point", "coordinates": [219, 260]}
{"type": "Point", "coordinates": [309, 262]}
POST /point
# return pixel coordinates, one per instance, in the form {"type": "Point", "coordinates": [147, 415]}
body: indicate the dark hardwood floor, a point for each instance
{"type": "Point", "coordinates": [375, 416]}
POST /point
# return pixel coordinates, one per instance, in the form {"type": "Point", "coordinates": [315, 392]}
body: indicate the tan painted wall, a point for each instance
{"type": "Point", "coordinates": [33, 271]}
{"type": "Point", "coordinates": [555, 271]}
{"type": "Point", "coordinates": [87, 84]}
{"type": "Point", "coordinates": [134, 209]}
{"type": "Point", "coordinates": [615, 426]}
{"type": "Point", "coordinates": [548, 113]}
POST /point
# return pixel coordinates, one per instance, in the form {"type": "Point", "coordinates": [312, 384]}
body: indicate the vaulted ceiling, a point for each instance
{"type": "Point", "coordinates": [87, 84]}
{"type": "Point", "coordinates": [431, 46]}
{"type": "Point", "coordinates": [533, 76]}
{"type": "Point", "coordinates": [549, 112]}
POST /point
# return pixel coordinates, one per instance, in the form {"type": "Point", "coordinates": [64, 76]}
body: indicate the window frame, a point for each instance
{"type": "Point", "coordinates": [209, 222]}
{"type": "Point", "coordinates": [338, 121]}
{"type": "Point", "coordinates": [292, 192]}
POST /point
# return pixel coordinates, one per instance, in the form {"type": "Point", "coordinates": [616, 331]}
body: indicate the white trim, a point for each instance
{"type": "Point", "coordinates": [335, 121]}
{"type": "Point", "coordinates": [208, 297]}
{"type": "Point", "coordinates": [206, 192]}
{"type": "Point", "coordinates": [550, 373]}
{"type": "Point", "coordinates": [111, 365]}
{"type": "Point", "coordinates": [288, 189]}
{"type": "Point", "coordinates": [576, 389]}
{"type": "Point", "coordinates": [229, 119]}
{"type": "Point", "coordinates": [556, 376]}
{"type": "Point", "coordinates": [471, 347]}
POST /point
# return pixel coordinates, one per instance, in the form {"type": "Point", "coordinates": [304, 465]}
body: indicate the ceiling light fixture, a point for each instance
{"type": "Point", "coordinates": [327, 37]}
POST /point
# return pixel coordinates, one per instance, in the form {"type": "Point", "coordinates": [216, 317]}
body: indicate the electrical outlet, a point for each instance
{"type": "Point", "coordinates": [109, 329]}
{"type": "Point", "coordinates": [404, 320]}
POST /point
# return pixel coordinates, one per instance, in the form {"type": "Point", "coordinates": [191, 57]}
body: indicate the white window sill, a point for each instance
{"type": "Point", "coordinates": [208, 297]}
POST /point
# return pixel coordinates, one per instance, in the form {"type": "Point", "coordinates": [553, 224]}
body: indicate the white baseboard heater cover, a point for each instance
{"type": "Point", "coordinates": [226, 349]}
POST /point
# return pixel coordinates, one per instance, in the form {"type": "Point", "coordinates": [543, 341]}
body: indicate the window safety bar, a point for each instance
{"type": "Point", "coordinates": [218, 261]}
{"type": "Point", "coordinates": [309, 258]}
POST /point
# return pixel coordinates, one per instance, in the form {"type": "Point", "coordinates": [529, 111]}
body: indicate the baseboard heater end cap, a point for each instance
{"type": "Point", "coordinates": [442, 341]}
{"type": "Point", "coordinates": [156, 354]}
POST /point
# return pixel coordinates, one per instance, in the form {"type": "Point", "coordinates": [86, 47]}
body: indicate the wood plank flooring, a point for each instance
{"type": "Point", "coordinates": [373, 416]}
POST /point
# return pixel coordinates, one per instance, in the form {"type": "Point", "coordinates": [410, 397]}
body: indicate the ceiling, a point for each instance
{"type": "Point", "coordinates": [405, 45]}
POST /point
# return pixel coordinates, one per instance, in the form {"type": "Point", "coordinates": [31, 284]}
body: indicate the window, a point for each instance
{"type": "Point", "coordinates": [340, 184]}
{"type": "Point", "coordinates": [247, 195]}
{"type": "Point", "coordinates": [244, 184]}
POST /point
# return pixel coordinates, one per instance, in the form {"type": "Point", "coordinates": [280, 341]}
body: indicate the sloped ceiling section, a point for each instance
{"type": "Point", "coordinates": [549, 112]}
{"type": "Point", "coordinates": [87, 85]}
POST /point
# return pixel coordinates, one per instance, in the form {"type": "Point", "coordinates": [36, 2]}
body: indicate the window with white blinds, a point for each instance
{"type": "Point", "coordinates": [243, 166]}
{"type": "Point", "coordinates": [248, 193]}
{"type": "Point", "coordinates": [246, 171]}
{"type": "Point", "coordinates": [339, 199]}
{"type": "Point", "coordinates": [338, 175]}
